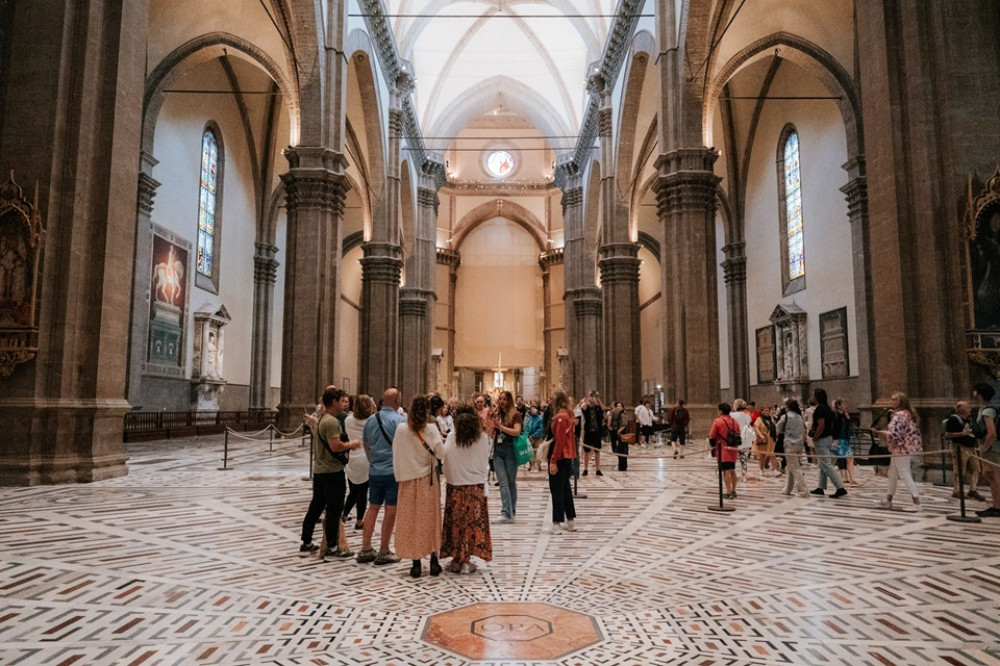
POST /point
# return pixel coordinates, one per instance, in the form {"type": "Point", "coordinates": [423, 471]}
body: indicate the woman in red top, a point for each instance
{"type": "Point", "coordinates": [562, 451]}
{"type": "Point", "coordinates": [727, 456]}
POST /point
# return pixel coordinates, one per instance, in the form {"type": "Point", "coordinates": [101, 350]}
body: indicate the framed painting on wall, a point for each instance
{"type": "Point", "coordinates": [168, 293]}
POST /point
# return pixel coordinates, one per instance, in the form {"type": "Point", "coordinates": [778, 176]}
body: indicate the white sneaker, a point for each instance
{"type": "Point", "coordinates": [884, 504]}
{"type": "Point", "coordinates": [913, 508]}
{"type": "Point", "coordinates": [569, 526]}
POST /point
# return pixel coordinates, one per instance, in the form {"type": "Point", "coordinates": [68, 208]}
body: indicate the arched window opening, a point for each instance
{"type": "Point", "coordinates": [209, 209]}
{"type": "Point", "coordinates": [793, 262]}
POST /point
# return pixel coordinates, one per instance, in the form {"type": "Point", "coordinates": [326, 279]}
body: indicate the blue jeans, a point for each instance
{"type": "Point", "coordinates": [827, 471]}
{"type": "Point", "coordinates": [505, 466]}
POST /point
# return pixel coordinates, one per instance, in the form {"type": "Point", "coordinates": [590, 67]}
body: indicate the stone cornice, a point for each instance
{"type": "Point", "coordinates": [147, 192]}
{"type": "Point", "coordinates": [447, 257]}
{"type": "Point", "coordinates": [552, 257]}
{"type": "Point", "coordinates": [499, 189]}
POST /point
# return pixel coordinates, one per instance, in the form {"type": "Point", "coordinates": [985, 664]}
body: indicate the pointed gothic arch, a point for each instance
{"type": "Point", "coordinates": [510, 211]}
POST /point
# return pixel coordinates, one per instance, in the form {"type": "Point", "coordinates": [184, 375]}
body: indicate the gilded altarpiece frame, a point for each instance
{"type": "Point", "coordinates": [982, 273]}
{"type": "Point", "coordinates": [21, 240]}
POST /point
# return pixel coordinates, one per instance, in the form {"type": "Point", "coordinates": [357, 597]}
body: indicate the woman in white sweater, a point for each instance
{"type": "Point", "coordinates": [466, 467]}
{"type": "Point", "coordinates": [416, 450]}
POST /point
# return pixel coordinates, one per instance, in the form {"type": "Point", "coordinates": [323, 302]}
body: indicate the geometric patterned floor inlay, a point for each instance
{"type": "Point", "coordinates": [181, 563]}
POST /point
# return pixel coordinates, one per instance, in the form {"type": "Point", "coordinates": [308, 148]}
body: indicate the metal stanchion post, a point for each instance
{"type": "Point", "coordinates": [944, 466]}
{"type": "Point", "coordinates": [576, 478]}
{"type": "Point", "coordinates": [962, 518]}
{"type": "Point", "coordinates": [225, 454]}
{"type": "Point", "coordinates": [305, 432]}
{"type": "Point", "coordinates": [270, 442]}
{"type": "Point", "coordinates": [718, 464]}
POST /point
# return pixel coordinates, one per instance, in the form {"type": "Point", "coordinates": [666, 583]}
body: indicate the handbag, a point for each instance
{"type": "Point", "coordinates": [522, 449]}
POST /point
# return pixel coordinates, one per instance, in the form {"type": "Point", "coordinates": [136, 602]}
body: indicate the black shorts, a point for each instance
{"type": "Point", "coordinates": [647, 431]}
{"type": "Point", "coordinates": [727, 466]}
{"type": "Point", "coordinates": [592, 439]}
{"type": "Point", "coordinates": [678, 434]}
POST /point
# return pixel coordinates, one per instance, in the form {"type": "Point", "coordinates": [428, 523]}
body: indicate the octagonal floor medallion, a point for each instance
{"type": "Point", "coordinates": [533, 631]}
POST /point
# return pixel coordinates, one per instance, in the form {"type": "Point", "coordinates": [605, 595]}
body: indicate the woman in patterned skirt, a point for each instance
{"type": "Point", "coordinates": [466, 531]}
{"type": "Point", "coordinates": [416, 450]}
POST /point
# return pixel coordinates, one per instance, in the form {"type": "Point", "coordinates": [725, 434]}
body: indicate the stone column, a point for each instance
{"type": "Point", "coordinates": [265, 273]}
{"type": "Point", "coordinates": [141, 278]}
{"type": "Point", "coordinates": [686, 203]}
{"type": "Point", "coordinates": [582, 298]}
{"type": "Point", "coordinates": [546, 261]}
{"type": "Point", "coordinates": [619, 266]}
{"type": "Point", "coordinates": [381, 268]}
{"type": "Point", "coordinates": [734, 271]}
{"type": "Point", "coordinates": [856, 192]}
{"type": "Point", "coordinates": [71, 124]}
{"type": "Point", "coordinates": [924, 137]}
{"type": "Point", "coordinates": [418, 297]}
{"type": "Point", "coordinates": [315, 189]}
{"type": "Point", "coordinates": [451, 259]}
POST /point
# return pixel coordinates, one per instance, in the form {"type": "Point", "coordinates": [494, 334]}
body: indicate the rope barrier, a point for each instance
{"type": "Point", "coordinates": [252, 436]}
{"type": "Point", "coordinates": [778, 455]}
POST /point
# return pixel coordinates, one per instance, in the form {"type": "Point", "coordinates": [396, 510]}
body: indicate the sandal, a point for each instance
{"type": "Point", "coordinates": [453, 567]}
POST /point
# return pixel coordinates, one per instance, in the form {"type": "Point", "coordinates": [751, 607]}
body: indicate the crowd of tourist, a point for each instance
{"type": "Point", "coordinates": [408, 462]}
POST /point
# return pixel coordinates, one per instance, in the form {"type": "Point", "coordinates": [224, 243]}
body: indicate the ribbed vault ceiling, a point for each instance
{"type": "Point", "coordinates": [524, 57]}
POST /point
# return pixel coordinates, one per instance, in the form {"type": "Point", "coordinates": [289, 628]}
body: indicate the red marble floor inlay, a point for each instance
{"type": "Point", "coordinates": [512, 631]}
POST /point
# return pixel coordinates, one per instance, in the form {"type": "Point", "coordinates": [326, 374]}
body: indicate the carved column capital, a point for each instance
{"type": "Point", "coordinates": [382, 262]}
{"type": "Point", "coordinates": [411, 304]}
{"type": "Point", "coordinates": [572, 196]}
{"type": "Point", "coordinates": [265, 267]}
{"type": "Point", "coordinates": [147, 192]}
{"type": "Point", "coordinates": [315, 188]}
{"type": "Point", "coordinates": [734, 267]}
{"type": "Point", "coordinates": [428, 198]}
{"type": "Point", "coordinates": [619, 263]}
{"type": "Point", "coordinates": [856, 192]}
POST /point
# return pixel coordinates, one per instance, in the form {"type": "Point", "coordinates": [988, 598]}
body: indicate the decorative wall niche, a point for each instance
{"type": "Point", "coordinates": [21, 240]}
{"type": "Point", "coordinates": [766, 370]}
{"type": "Point", "coordinates": [791, 347]}
{"type": "Point", "coordinates": [982, 274]}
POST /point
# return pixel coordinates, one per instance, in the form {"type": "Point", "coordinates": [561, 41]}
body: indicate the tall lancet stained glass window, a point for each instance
{"type": "Point", "coordinates": [207, 205]}
{"type": "Point", "coordinates": [793, 207]}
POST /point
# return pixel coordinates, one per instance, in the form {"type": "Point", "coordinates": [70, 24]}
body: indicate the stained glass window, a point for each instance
{"type": "Point", "coordinates": [207, 203]}
{"type": "Point", "coordinates": [500, 163]}
{"type": "Point", "coordinates": [793, 208]}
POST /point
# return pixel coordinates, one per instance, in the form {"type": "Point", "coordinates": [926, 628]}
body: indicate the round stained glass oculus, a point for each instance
{"type": "Point", "coordinates": [500, 163]}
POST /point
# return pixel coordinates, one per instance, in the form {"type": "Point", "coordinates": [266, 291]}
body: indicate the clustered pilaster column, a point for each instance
{"type": "Point", "coordinates": [143, 250]}
{"type": "Point", "coordinates": [452, 260]}
{"type": "Point", "coordinates": [546, 261]}
{"type": "Point", "coordinates": [418, 297]}
{"type": "Point", "coordinates": [619, 265]}
{"type": "Point", "coordinates": [856, 192]}
{"type": "Point", "coordinates": [686, 203]}
{"type": "Point", "coordinates": [583, 322]}
{"type": "Point", "coordinates": [381, 267]}
{"type": "Point", "coordinates": [734, 270]}
{"type": "Point", "coordinates": [265, 273]}
{"type": "Point", "coordinates": [315, 190]}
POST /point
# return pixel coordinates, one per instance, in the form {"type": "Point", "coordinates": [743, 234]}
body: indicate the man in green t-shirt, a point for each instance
{"type": "Point", "coordinates": [329, 481]}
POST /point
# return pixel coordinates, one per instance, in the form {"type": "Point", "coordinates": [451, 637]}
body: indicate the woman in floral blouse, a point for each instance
{"type": "Point", "coordinates": [904, 441]}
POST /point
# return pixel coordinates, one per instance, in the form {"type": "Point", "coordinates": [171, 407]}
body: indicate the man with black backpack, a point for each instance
{"type": "Point", "coordinates": [725, 439]}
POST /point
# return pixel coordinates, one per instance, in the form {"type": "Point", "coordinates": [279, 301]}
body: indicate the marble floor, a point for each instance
{"type": "Point", "coordinates": [182, 563]}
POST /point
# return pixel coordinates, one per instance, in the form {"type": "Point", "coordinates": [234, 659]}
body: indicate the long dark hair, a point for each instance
{"type": "Point", "coordinates": [418, 415]}
{"type": "Point", "coordinates": [468, 427]}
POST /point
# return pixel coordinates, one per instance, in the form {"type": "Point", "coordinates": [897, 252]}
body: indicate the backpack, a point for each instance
{"type": "Point", "coordinates": [734, 439]}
